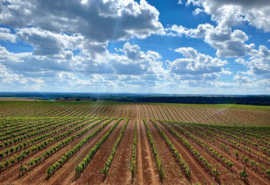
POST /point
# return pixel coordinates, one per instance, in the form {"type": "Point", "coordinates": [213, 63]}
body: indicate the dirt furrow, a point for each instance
{"type": "Point", "coordinates": [11, 174]}
{"type": "Point", "coordinates": [226, 177]}
{"type": "Point", "coordinates": [198, 174]}
{"type": "Point", "coordinates": [153, 111]}
{"type": "Point", "coordinates": [119, 172]}
{"type": "Point", "coordinates": [147, 165]}
{"type": "Point", "coordinates": [171, 168]}
{"type": "Point", "coordinates": [91, 174]}
{"type": "Point", "coordinates": [149, 110]}
{"type": "Point", "coordinates": [253, 177]}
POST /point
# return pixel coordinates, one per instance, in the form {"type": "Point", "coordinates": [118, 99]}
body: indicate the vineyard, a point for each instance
{"type": "Point", "coordinates": [133, 143]}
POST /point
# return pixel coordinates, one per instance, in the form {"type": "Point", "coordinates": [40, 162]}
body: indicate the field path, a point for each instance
{"type": "Point", "coordinates": [139, 149]}
{"type": "Point", "coordinates": [147, 171]}
{"type": "Point", "coordinates": [119, 172]}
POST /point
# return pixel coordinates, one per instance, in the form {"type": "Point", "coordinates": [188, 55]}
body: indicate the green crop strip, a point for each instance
{"type": "Point", "coordinates": [116, 144]}
{"type": "Point", "coordinates": [53, 168]}
{"type": "Point", "coordinates": [80, 168]}
{"type": "Point", "coordinates": [157, 158]}
{"type": "Point", "coordinates": [179, 158]}
{"type": "Point", "coordinates": [192, 150]}
{"type": "Point", "coordinates": [134, 151]}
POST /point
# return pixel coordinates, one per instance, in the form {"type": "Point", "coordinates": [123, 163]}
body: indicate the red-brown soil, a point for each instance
{"type": "Point", "coordinates": [198, 174]}
{"type": "Point", "coordinates": [253, 177]}
{"type": "Point", "coordinates": [38, 174]}
{"type": "Point", "coordinates": [146, 171]}
{"type": "Point", "coordinates": [91, 174]}
{"type": "Point", "coordinates": [119, 172]}
{"type": "Point", "coordinates": [172, 170]}
{"type": "Point", "coordinates": [17, 99]}
{"type": "Point", "coordinates": [227, 176]}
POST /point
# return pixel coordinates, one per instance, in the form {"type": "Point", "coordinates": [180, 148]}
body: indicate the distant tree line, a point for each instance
{"type": "Point", "coordinates": [155, 98]}
{"type": "Point", "coordinates": [250, 100]}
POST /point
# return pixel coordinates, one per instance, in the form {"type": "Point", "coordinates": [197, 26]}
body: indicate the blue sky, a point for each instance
{"type": "Point", "coordinates": [182, 47]}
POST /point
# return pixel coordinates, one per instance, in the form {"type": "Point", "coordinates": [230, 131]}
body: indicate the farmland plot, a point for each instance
{"type": "Point", "coordinates": [128, 143]}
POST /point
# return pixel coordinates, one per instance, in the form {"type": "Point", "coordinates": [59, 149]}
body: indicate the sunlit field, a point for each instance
{"type": "Point", "coordinates": [133, 143]}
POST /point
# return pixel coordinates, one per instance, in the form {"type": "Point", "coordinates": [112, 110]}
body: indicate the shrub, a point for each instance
{"type": "Point", "coordinates": [12, 160]}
